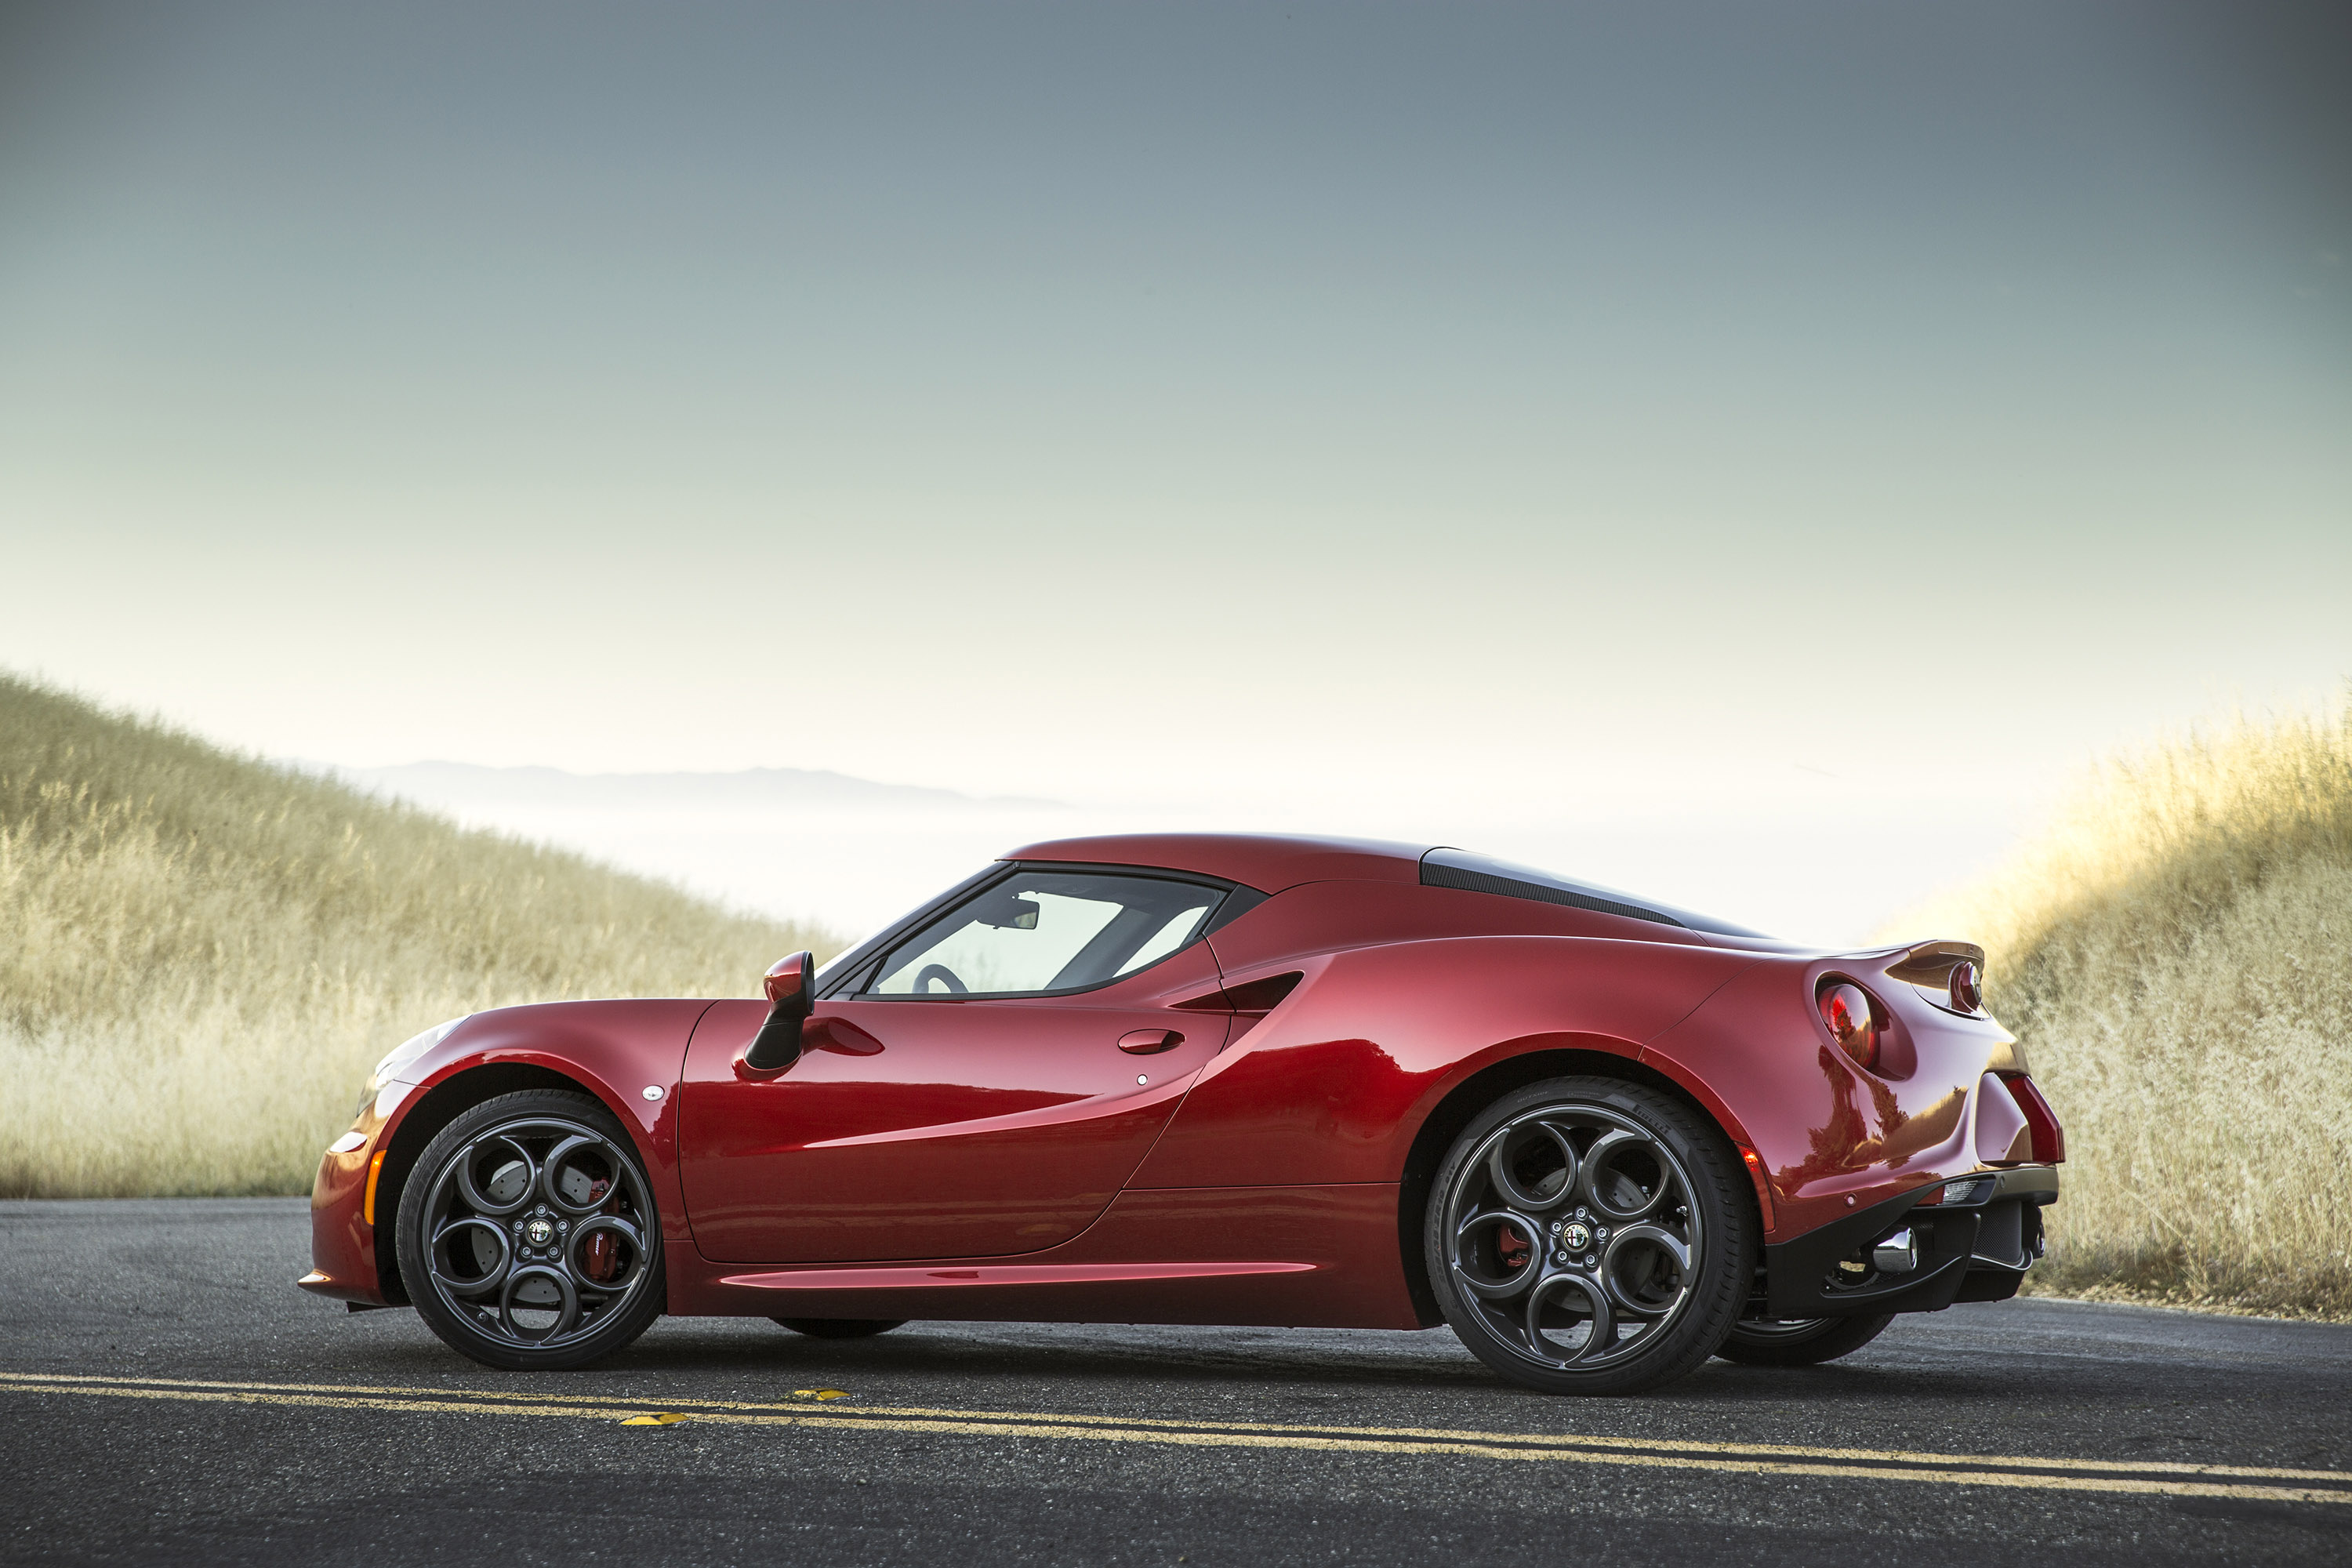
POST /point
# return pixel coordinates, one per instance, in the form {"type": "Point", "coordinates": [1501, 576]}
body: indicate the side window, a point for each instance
{"type": "Point", "coordinates": [1044, 932]}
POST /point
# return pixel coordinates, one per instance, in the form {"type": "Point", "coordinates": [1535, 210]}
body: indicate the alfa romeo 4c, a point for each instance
{"type": "Point", "coordinates": [1225, 1080]}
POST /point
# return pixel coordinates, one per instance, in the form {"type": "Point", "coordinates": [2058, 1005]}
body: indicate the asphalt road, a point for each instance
{"type": "Point", "coordinates": [167, 1394]}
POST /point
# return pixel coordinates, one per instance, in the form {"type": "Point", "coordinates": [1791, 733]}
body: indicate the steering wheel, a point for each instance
{"type": "Point", "coordinates": [931, 972]}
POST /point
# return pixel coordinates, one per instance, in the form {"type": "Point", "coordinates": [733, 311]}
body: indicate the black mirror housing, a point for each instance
{"type": "Point", "coordinates": [790, 986]}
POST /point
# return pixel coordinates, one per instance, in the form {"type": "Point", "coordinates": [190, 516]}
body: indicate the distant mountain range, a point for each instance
{"type": "Point", "coordinates": [434, 784]}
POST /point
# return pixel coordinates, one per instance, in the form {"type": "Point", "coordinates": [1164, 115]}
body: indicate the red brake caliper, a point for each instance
{"type": "Point", "coordinates": [1511, 1247]}
{"type": "Point", "coordinates": [600, 1260]}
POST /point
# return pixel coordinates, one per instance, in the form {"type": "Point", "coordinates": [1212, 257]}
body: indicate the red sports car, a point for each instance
{"type": "Point", "coordinates": [1196, 1078]}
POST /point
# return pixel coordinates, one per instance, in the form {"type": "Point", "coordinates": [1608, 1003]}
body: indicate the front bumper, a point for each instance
{"type": "Point", "coordinates": [1977, 1250]}
{"type": "Point", "coordinates": [342, 1239]}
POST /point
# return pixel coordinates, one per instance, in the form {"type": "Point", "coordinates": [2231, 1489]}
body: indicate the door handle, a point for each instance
{"type": "Point", "coordinates": [1146, 1042]}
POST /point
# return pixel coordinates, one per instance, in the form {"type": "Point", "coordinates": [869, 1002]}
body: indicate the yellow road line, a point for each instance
{"type": "Point", "coordinates": [2038, 1473]}
{"type": "Point", "coordinates": [1674, 1446]}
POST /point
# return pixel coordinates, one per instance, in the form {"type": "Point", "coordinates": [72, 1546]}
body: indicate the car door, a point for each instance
{"type": "Point", "coordinates": [986, 1089]}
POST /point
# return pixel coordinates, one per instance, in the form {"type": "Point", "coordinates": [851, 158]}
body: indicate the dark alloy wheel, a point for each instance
{"type": "Point", "coordinates": [841, 1328]}
{"type": "Point", "coordinates": [1799, 1342]}
{"type": "Point", "coordinates": [1586, 1235]}
{"type": "Point", "coordinates": [529, 1238]}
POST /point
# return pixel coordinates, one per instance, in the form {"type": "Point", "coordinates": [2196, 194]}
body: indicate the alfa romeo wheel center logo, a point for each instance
{"type": "Point", "coordinates": [1576, 1236]}
{"type": "Point", "coordinates": [540, 1233]}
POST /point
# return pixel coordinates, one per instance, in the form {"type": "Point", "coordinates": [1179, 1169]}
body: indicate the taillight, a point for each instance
{"type": "Point", "coordinates": [2048, 1138]}
{"type": "Point", "coordinates": [1845, 1008]}
{"type": "Point", "coordinates": [1966, 985]}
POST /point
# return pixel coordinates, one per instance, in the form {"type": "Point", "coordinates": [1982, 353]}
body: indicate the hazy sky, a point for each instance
{"type": "Point", "coordinates": [1396, 417]}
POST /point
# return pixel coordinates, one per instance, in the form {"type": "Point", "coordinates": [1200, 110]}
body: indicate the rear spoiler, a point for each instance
{"type": "Point", "coordinates": [1927, 968]}
{"type": "Point", "coordinates": [1930, 963]}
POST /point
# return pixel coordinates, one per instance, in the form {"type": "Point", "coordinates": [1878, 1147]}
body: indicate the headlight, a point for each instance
{"type": "Point", "coordinates": [401, 1055]}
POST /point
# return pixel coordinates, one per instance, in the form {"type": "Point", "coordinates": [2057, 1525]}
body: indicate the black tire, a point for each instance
{"type": "Point", "coordinates": [501, 1214]}
{"type": "Point", "coordinates": [841, 1328]}
{"type": "Point", "coordinates": [1646, 1222]}
{"type": "Point", "coordinates": [1804, 1341]}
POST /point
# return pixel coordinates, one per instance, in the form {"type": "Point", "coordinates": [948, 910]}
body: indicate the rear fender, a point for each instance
{"type": "Point", "coordinates": [1831, 1137]}
{"type": "Point", "coordinates": [1337, 1081]}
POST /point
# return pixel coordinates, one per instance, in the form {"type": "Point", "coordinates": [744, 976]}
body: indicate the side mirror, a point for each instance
{"type": "Point", "coordinates": [792, 996]}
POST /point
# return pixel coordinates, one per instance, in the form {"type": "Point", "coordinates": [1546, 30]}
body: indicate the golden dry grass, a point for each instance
{"type": "Point", "coordinates": [202, 954]}
{"type": "Point", "coordinates": [2176, 952]}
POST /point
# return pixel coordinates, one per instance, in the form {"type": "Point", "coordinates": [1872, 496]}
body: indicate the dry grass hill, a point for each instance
{"type": "Point", "coordinates": [205, 954]}
{"type": "Point", "coordinates": [2175, 952]}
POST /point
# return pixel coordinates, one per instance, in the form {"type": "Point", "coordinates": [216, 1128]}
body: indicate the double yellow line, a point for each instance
{"type": "Point", "coordinates": [2140, 1478]}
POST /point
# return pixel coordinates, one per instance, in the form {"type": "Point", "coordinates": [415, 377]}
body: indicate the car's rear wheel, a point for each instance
{"type": "Point", "coordinates": [1587, 1236]}
{"type": "Point", "coordinates": [529, 1238]}
{"type": "Point", "coordinates": [841, 1328]}
{"type": "Point", "coordinates": [1799, 1342]}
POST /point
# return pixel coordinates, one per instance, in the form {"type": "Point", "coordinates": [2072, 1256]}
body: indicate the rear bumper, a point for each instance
{"type": "Point", "coordinates": [1977, 1250]}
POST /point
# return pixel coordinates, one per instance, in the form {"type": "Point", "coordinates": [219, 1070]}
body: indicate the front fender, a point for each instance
{"type": "Point", "coordinates": [615, 1050]}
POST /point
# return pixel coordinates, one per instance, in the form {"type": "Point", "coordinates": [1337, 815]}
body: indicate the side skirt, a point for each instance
{"type": "Point", "coordinates": [1308, 1257]}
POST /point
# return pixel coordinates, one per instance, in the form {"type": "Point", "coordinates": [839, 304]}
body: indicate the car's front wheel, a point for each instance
{"type": "Point", "coordinates": [1587, 1236]}
{"type": "Point", "coordinates": [529, 1238]}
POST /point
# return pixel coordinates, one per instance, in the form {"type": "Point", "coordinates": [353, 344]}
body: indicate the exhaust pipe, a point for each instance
{"type": "Point", "coordinates": [1898, 1254]}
